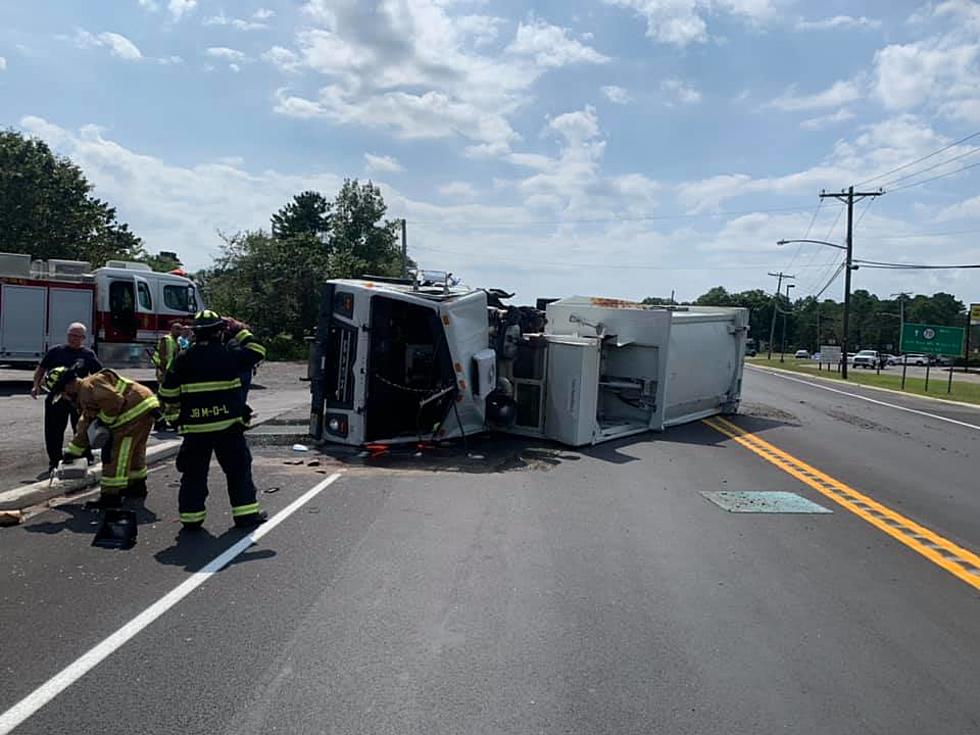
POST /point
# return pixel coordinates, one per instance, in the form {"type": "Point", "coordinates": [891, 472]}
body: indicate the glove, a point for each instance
{"type": "Point", "coordinates": [233, 326]}
{"type": "Point", "coordinates": [68, 457]}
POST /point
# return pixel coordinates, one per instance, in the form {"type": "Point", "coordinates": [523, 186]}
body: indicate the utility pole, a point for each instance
{"type": "Point", "coordinates": [404, 249]}
{"type": "Point", "coordinates": [848, 198]}
{"type": "Point", "coordinates": [775, 305]}
{"type": "Point", "coordinates": [782, 348]}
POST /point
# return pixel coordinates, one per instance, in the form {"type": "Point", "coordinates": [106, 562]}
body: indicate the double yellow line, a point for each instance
{"type": "Point", "coordinates": [960, 562]}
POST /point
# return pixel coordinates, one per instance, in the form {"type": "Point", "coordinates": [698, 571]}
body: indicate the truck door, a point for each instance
{"type": "Point", "coordinates": [145, 315]}
{"type": "Point", "coordinates": [23, 314]}
{"type": "Point", "coordinates": [123, 322]}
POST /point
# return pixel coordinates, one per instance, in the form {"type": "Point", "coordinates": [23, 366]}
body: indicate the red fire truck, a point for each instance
{"type": "Point", "coordinates": [126, 306]}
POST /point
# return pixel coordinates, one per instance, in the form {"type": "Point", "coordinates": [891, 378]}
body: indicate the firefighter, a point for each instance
{"type": "Point", "coordinates": [202, 394]}
{"type": "Point", "coordinates": [166, 351]}
{"type": "Point", "coordinates": [127, 409]}
{"type": "Point", "coordinates": [168, 347]}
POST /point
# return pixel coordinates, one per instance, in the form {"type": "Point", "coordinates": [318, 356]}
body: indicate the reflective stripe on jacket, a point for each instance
{"type": "Point", "coordinates": [112, 399]}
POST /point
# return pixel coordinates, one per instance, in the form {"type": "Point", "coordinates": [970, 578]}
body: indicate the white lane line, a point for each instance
{"type": "Point", "coordinates": [76, 670]}
{"type": "Point", "coordinates": [872, 400]}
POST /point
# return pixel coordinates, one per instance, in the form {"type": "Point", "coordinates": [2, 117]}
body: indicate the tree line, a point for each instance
{"type": "Point", "coordinates": [875, 323]}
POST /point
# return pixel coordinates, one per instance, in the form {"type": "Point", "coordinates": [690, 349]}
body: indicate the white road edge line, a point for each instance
{"type": "Point", "coordinates": [50, 689]}
{"type": "Point", "coordinates": [871, 400]}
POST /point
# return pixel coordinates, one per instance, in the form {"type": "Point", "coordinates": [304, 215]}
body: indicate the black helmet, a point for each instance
{"type": "Point", "coordinates": [207, 320]}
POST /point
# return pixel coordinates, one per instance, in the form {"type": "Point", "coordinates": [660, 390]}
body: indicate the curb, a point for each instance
{"type": "Point", "coordinates": [20, 498]}
{"type": "Point", "coordinates": [835, 381]}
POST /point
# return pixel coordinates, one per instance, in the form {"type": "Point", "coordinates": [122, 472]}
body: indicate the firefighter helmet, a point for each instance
{"type": "Point", "coordinates": [57, 378]}
{"type": "Point", "coordinates": [206, 320]}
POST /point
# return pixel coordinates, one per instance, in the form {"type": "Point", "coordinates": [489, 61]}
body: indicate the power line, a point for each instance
{"type": "Point", "coordinates": [912, 266]}
{"type": "Point", "coordinates": [806, 234]}
{"type": "Point", "coordinates": [840, 269]}
{"type": "Point", "coordinates": [919, 160]}
{"type": "Point", "coordinates": [930, 168]}
{"type": "Point", "coordinates": [933, 178]}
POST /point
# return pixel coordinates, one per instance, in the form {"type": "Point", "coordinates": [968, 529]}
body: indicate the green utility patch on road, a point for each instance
{"type": "Point", "coordinates": [962, 391]}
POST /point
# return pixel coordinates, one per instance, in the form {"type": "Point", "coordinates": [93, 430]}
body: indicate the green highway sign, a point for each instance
{"type": "Point", "coordinates": [932, 339]}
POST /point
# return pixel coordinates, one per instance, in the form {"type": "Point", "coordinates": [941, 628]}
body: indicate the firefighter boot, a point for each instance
{"type": "Point", "coordinates": [106, 501]}
{"type": "Point", "coordinates": [135, 489]}
{"type": "Point", "coordinates": [252, 519]}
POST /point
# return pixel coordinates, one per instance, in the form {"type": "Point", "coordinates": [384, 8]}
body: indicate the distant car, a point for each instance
{"type": "Point", "coordinates": [943, 360]}
{"type": "Point", "coordinates": [887, 359]}
{"type": "Point", "coordinates": [913, 359]}
{"type": "Point", "coordinates": [868, 359]}
{"type": "Point", "coordinates": [802, 355]}
{"type": "Point", "coordinates": [815, 357]}
{"type": "Point", "coordinates": [750, 351]}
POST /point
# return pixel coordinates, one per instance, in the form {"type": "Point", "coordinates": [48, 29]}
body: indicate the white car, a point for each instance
{"type": "Point", "coordinates": [868, 359]}
{"type": "Point", "coordinates": [920, 360]}
{"type": "Point", "coordinates": [802, 355]}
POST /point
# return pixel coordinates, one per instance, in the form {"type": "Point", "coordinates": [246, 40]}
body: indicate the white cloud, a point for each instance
{"type": "Point", "coordinates": [3, 64]}
{"type": "Point", "coordinates": [458, 190]}
{"type": "Point", "coordinates": [414, 68]}
{"type": "Point", "coordinates": [909, 75]}
{"type": "Point", "coordinates": [118, 45]}
{"type": "Point", "coordinates": [940, 73]}
{"type": "Point", "coordinates": [150, 5]}
{"type": "Point", "coordinates": [679, 92]}
{"type": "Point", "coordinates": [837, 22]}
{"type": "Point", "coordinates": [839, 93]}
{"type": "Point", "coordinates": [239, 24]}
{"type": "Point", "coordinates": [263, 14]}
{"type": "Point", "coordinates": [179, 8]}
{"type": "Point", "coordinates": [617, 95]}
{"type": "Point", "coordinates": [825, 121]}
{"type": "Point", "coordinates": [967, 209]}
{"type": "Point", "coordinates": [682, 22]}
{"type": "Point", "coordinates": [223, 52]}
{"type": "Point", "coordinates": [551, 46]}
{"type": "Point", "coordinates": [480, 30]}
{"type": "Point", "coordinates": [170, 60]}
{"type": "Point", "coordinates": [387, 164]}
{"type": "Point", "coordinates": [178, 207]}
{"type": "Point", "coordinates": [282, 58]}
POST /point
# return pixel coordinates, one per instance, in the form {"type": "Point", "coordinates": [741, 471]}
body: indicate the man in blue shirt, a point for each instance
{"type": "Point", "coordinates": [57, 415]}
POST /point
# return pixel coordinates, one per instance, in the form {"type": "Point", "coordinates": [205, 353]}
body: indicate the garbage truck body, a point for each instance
{"type": "Point", "coordinates": [399, 362]}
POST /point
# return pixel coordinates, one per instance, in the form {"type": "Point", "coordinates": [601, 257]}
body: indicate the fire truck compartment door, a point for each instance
{"type": "Point", "coordinates": [572, 389]}
{"type": "Point", "coordinates": [22, 321]}
{"type": "Point", "coordinates": [67, 305]}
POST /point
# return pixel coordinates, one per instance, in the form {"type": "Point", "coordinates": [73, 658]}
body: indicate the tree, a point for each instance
{"type": "Point", "coordinates": [360, 239]}
{"type": "Point", "coordinates": [164, 261]}
{"type": "Point", "coordinates": [47, 209]}
{"type": "Point", "coordinates": [307, 214]}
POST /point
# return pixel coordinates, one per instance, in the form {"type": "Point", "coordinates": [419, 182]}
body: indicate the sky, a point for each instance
{"type": "Point", "coordinates": [623, 148]}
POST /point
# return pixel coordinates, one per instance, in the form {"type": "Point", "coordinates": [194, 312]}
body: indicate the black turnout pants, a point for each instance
{"type": "Point", "coordinates": [56, 419]}
{"type": "Point", "coordinates": [193, 461]}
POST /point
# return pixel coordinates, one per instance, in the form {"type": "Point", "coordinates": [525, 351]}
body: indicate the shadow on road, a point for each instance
{"type": "Point", "coordinates": [15, 387]}
{"type": "Point", "coordinates": [192, 549]}
{"type": "Point", "coordinates": [77, 519]}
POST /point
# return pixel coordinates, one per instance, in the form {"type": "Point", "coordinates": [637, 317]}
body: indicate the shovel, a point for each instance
{"type": "Point", "coordinates": [118, 530]}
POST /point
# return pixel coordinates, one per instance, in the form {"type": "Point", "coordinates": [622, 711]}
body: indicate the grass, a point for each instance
{"type": "Point", "coordinates": [968, 392]}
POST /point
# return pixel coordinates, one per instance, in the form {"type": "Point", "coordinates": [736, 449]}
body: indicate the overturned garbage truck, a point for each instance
{"type": "Point", "coordinates": [399, 361]}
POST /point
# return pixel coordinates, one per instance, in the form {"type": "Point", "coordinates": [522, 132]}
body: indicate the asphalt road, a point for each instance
{"type": "Point", "coordinates": [530, 589]}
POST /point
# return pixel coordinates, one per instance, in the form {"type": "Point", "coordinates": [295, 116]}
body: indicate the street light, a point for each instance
{"type": "Point", "coordinates": [848, 267]}
{"type": "Point", "coordinates": [782, 347]}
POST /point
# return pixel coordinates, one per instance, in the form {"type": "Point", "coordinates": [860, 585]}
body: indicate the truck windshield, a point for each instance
{"type": "Point", "coordinates": [411, 378]}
